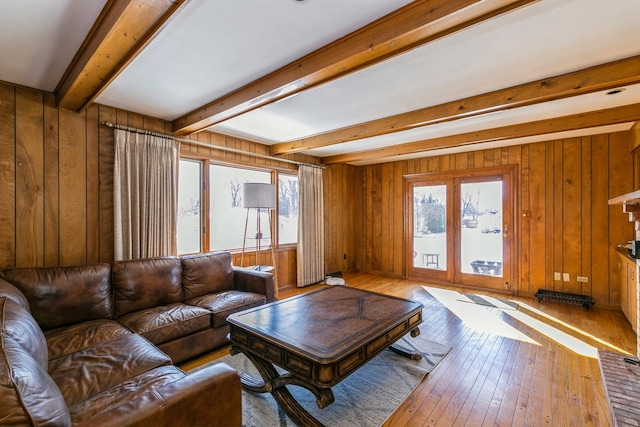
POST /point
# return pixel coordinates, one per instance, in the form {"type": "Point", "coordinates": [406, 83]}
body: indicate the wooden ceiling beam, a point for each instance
{"type": "Point", "coordinates": [416, 24]}
{"type": "Point", "coordinates": [625, 114]}
{"type": "Point", "coordinates": [122, 30]}
{"type": "Point", "coordinates": [602, 77]}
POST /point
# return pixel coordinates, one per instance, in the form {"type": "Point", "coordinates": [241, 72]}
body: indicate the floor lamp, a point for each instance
{"type": "Point", "coordinates": [258, 196]}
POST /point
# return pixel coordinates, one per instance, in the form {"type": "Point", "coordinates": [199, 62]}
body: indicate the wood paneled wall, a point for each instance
{"type": "Point", "coordinates": [343, 221]}
{"type": "Point", "coordinates": [56, 184]}
{"type": "Point", "coordinates": [56, 180]}
{"type": "Point", "coordinates": [563, 189]}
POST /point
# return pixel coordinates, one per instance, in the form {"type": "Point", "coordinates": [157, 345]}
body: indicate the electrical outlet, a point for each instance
{"type": "Point", "coordinates": [556, 276]}
{"type": "Point", "coordinates": [565, 277]}
{"type": "Point", "coordinates": [583, 279]}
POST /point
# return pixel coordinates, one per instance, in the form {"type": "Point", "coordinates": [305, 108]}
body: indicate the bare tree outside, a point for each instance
{"type": "Point", "coordinates": [236, 195]}
{"type": "Point", "coordinates": [288, 193]}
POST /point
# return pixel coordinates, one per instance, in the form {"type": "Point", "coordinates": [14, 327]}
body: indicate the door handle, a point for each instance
{"type": "Point", "coordinates": [506, 231]}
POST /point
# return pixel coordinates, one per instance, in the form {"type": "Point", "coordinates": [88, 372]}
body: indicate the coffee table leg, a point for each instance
{"type": "Point", "coordinates": [275, 383]}
{"type": "Point", "coordinates": [406, 352]}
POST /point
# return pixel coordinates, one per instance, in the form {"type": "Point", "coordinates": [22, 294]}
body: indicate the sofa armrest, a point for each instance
{"type": "Point", "coordinates": [9, 291]}
{"type": "Point", "coordinates": [255, 281]}
{"type": "Point", "coordinates": [211, 395]}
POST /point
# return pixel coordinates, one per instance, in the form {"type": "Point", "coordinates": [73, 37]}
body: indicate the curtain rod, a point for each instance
{"type": "Point", "coordinates": [204, 144]}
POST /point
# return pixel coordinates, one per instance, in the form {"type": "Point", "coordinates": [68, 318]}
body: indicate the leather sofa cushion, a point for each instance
{"type": "Point", "coordinates": [16, 323]}
{"type": "Point", "coordinates": [60, 296]}
{"type": "Point", "coordinates": [69, 339]}
{"type": "Point", "coordinates": [132, 388]}
{"type": "Point", "coordinates": [146, 283]}
{"type": "Point", "coordinates": [223, 304]}
{"type": "Point", "coordinates": [111, 363]}
{"type": "Point", "coordinates": [207, 273]}
{"type": "Point", "coordinates": [168, 322]}
{"type": "Point", "coordinates": [29, 394]}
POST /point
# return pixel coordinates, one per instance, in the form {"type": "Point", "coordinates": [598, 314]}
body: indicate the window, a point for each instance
{"type": "Point", "coordinates": [287, 209]}
{"type": "Point", "coordinates": [226, 214]}
{"type": "Point", "coordinates": [210, 212]}
{"type": "Point", "coordinates": [189, 207]}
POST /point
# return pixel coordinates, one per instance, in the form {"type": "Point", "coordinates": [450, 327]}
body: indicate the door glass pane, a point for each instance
{"type": "Point", "coordinates": [481, 237]}
{"type": "Point", "coordinates": [189, 206]}
{"type": "Point", "coordinates": [430, 227]}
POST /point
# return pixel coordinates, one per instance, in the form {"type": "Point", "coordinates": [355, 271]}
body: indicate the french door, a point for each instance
{"type": "Point", "coordinates": [461, 228]}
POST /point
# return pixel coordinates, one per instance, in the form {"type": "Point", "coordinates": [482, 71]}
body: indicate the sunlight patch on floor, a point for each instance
{"type": "Point", "coordinates": [574, 344]}
{"type": "Point", "coordinates": [573, 328]}
{"type": "Point", "coordinates": [476, 316]}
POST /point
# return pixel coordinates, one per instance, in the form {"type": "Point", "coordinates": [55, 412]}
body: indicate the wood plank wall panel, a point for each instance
{"type": "Point", "coordinates": [7, 176]}
{"type": "Point", "coordinates": [51, 182]}
{"type": "Point", "coordinates": [342, 189]}
{"type": "Point", "coordinates": [565, 184]}
{"type": "Point", "coordinates": [557, 239]}
{"type": "Point", "coordinates": [526, 222]}
{"type": "Point", "coordinates": [572, 215]}
{"type": "Point", "coordinates": [93, 183]}
{"type": "Point", "coordinates": [620, 182]}
{"type": "Point", "coordinates": [73, 188]}
{"type": "Point", "coordinates": [106, 154]}
{"type": "Point", "coordinates": [29, 178]}
{"type": "Point", "coordinates": [586, 214]}
{"type": "Point", "coordinates": [535, 226]}
{"type": "Point", "coordinates": [600, 212]}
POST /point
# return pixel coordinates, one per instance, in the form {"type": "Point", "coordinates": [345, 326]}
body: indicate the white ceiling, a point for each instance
{"type": "Point", "coordinates": [213, 47]}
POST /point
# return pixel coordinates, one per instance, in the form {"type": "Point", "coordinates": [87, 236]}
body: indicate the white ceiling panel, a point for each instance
{"type": "Point", "coordinates": [39, 38]}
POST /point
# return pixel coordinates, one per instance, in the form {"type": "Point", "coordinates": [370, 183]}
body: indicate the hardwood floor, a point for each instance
{"type": "Point", "coordinates": [531, 367]}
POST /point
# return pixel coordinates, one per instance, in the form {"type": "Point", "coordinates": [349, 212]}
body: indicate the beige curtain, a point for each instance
{"type": "Point", "coordinates": [310, 256]}
{"type": "Point", "coordinates": [145, 195]}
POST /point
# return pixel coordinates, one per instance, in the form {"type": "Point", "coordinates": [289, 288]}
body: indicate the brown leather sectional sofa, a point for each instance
{"type": "Point", "coordinates": [96, 344]}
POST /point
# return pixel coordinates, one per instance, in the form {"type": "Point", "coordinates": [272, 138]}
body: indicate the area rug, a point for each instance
{"type": "Point", "coordinates": [365, 398]}
{"type": "Point", "coordinates": [489, 301]}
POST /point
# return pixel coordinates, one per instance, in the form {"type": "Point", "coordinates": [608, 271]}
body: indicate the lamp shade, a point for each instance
{"type": "Point", "coordinates": [258, 195]}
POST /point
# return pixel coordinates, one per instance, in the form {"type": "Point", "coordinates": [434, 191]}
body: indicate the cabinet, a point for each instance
{"type": "Point", "coordinates": [629, 266]}
{"type": "Point", "coordinates": [629, 290]}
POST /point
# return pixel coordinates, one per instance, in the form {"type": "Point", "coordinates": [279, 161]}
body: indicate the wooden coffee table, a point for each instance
{"type": "Point", "coordinates": [319, 338]}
